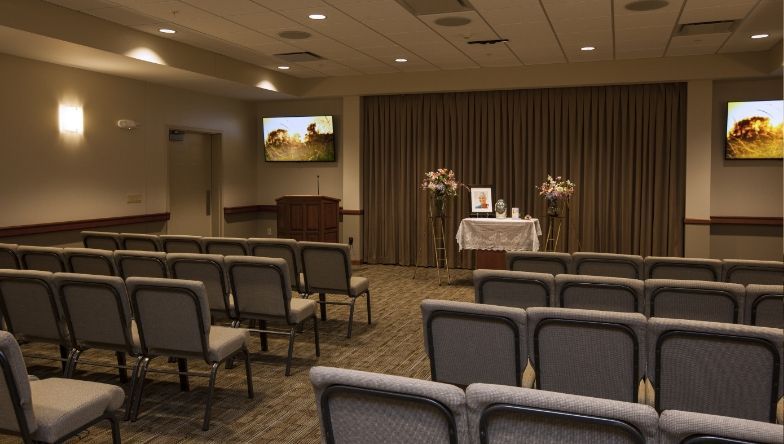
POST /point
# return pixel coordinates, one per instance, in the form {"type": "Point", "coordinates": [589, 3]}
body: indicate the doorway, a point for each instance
{"type": "Point", "coordinates": [194, 183]}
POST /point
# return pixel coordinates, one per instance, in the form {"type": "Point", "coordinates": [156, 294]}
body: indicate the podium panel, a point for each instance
{"type": "Point", "coordinates": [308, 218]}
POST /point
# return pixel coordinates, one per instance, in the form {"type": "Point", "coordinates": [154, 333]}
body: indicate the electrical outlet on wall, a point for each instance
{"type": "Point", "coordinates": [135, 198]}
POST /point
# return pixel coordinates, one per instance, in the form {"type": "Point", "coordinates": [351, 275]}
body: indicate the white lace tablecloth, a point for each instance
{"type": "Point", "coordinates": [499, 234]}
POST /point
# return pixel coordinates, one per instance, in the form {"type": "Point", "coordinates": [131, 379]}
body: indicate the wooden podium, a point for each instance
{"type": "Point", "coordinates": [308, 218]}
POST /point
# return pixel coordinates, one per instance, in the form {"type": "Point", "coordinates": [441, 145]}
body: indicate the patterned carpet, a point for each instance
{"type": "Point", "coordinates": [284, 409]}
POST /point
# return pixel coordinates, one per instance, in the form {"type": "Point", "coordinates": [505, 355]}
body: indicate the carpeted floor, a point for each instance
{"type": "Point", "coordinates": [284, 409]}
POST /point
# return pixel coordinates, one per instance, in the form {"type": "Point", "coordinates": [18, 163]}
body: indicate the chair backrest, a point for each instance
{"type": "Point", "coordinates": [90, 261]}
{"type": "Point", "coordinates": [141, 242]}
{"type": "Point", "coordinates": [499, 414]}
{"type": "Point", "coordinates": [361, 407]}
{"type": "Point", "coordinates": [30, 307]}
{"type": "Point", "coordinates": [97, 311]}
{"type": "Point", "coordinates": [210, 269]}
{"type": "Point", "coordinates": [683, 268]}
{"type": "Point", "coordinates": [629, 266]}
{"type": "Point", "coordinates": [765, 305]}
{"type": "Point", "coordinates": [227, 246]}
{"type": "Point", "coordinates": [101, 240]}
{"type": "Point", "coordinates": [41, 258]}
{"type": "Point", "coordinates": [181, 244]}
{"type": "Point", "coordinates": [8, 257]}
{"type": "Point", "coordinates": [676, 427]}
{"type": "Point", "coordinates": [753, 272]}
{"type": "Point", "coordinates": [587, 352]}
{"type": "Point", "coordinates": [469, 343]}
{"type": "Point", "coordinates": [172, 315]}
{"type": "Point", "coordinates": [260, 286]}
{"type": "Point", "coordinates": [16, 403]}
{"type": "Point", "coordinates": [141, 264]}
{"type": "Point", "coordinates": [695, 300]}
{"type": "Point", "coordinates": [539, 262]}
{"type": "Point", "coordinates": [327, 267]}
{"type": "Point", "coordinates": [710, 367]}
{"type": "Point", "coordinates": [513, 288]}
{"type": "Point", "coordinates": [286, 249]}
{"type": "Point", "coordinates": [599, 293]}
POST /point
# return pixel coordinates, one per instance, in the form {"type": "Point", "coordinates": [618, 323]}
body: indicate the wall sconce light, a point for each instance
{"type": "Point", "coordinates": [71, 119]}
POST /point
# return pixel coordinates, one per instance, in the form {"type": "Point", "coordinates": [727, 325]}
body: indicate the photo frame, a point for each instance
{"type": "Point", "coordinates": [482, 199]}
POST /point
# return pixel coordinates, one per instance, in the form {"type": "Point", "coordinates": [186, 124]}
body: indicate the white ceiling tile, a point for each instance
{"type": "Point", "coordinates": [696, 45]}
{"type": "Point", "coordinates": [123, 16]}
{"type": "Point", "coordinates": [638, 54]}
{"type": "Point", "coordinates": [280, 5]}
{"type": "Point", "coordinates": [708, 11]}
{"type": "Point", "coordinates": [764, 19]}
{"type": "Point", "coordinates": [83, 5]}
{"type": "Point", "coordinates": [224, 8]}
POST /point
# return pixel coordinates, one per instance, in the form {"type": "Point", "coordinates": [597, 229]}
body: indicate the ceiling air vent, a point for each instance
{"type": "Point", "coordinates": [426, 7]}
{"type": "Point", "coordinates": [299, 57]}
{"type": "Point", "coordinates": [294, 35]}
{"type": "Point", "coordinates": [487, 42]}
{"type": "Point", "coordinates": [717, 27]}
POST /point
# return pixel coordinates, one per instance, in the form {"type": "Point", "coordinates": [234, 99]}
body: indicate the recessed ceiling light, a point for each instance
{"type": "Point", "coordinates": [167, 31]}
{"type": "Point", "coordinates": [284, 67]}
{"type": "Point", "coordinates": [587, 48]}
{"type": "Point", "coordinates": [317, 16]}
{"type": "Point", "coordinates": [760, 36]}
{"type": "Point", "coordinates": [401, 60]}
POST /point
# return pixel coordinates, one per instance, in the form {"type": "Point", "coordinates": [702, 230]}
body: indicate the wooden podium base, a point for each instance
{"type": "Point", "coordinates": [491, 259]}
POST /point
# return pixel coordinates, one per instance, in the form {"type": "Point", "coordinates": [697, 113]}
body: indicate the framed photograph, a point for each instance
{"type": "Point", "coordinates": [481, 198]}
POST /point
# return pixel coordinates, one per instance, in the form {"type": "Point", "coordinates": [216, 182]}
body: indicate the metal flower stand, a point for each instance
{"type": "Point", "coordinates": [437, 226]}
{"type": "Point", "coordinates": [554, 226]}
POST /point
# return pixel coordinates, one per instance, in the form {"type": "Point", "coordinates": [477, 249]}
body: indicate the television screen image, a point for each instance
{"type": "Point", "coordinates": [755, 130]}
{"type": "Point", "coordinates": [299, 139]}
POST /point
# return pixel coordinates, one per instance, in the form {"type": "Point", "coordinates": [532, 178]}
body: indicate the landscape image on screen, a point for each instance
{"type": "Point", "coordinates": [299, 139]}
{"type": "Point", "coordinates": [755, 130]}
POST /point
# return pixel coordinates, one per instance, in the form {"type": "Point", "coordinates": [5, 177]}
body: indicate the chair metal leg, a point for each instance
{"type": "Point", "coordinates": [121, 362]}
{"type": "Point", "coordinates": [139, 389]}
{"type": "Point", "coordinates": [368, 305]}
{"type": "Point", "coordinates": [351, 315]}
{"type": "Point", "coordinates": [71, 364]}
{"type": "Point", "coordinates": [291, 351]}
{"type": "Point", "coordinates": [316, 335]}
{"type": "Point", "coordinates": [182, 367]}
{"type": "Point", "coordinates": [115, 429]}
{"type": "Point", "coordinates": [322, 299]}
{"type": "Point", "coordinates": [132, 389]}
{"type": "Point", "coordinates": [65, 355]}
{"type": "Point", "coordinates": [248, 372]}
{"type": "Point", "coordinates": [263, 336]}
{"type": "Point", "coordinates": [213, 374]}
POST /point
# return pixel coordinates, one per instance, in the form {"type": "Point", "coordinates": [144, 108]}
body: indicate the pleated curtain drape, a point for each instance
{"type": "Point", "coordinates": [624, 147]}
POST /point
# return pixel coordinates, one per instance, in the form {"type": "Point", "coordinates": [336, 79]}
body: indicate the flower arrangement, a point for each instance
{"type": "Point", "coordinates": [556, 189]}
{"type": "Point", "coordinates": [441, 183]}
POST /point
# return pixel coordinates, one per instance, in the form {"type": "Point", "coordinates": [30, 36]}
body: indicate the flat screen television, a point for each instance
{"type": "Point", "coordinates": [299, 139]}
{"type": "Point", "coordinates": [755, 130]}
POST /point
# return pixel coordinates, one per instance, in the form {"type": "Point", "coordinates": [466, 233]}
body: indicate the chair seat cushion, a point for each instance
{"type": "Point", "coordinates": [64, 405]}
{"type": "Point", "coordinates": [301, 309]}
{"type": "Point", "coordinates": [359, 285]}
{"type": "Point", "coordinates": [225, 341]}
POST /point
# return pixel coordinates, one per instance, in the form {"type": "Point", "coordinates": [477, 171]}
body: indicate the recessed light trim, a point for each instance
{"type": "Point", "coordinates": [167, 31]}
{"type": "Point", "coordinates": [587, 48]}
{"type": "Point", "coordinates": [401, 60]}
{"type": "Point", "coordinates": [760, 36]}
{"type": "Point", "coordinates": [284, 67]}
{"type": "Point", "coordinates": [317, 17]}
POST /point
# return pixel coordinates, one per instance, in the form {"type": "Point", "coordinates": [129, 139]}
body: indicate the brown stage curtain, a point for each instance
{"type": "Point", "coordinates": [624, 147]}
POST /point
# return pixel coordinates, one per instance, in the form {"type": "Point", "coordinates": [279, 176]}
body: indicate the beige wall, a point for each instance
{"type": "Point", "coordinates": [46, 176]}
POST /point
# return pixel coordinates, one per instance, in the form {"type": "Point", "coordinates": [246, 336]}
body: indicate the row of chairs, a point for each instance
{"type": "Point", "coordinates": [761, 305]}
{"type": "Point", "coordinates": [707, 367]}
{"type": "Point", "coordinates": [651, 267]}
{"type": "Point", "coordinates": [360, 407]}
{"type": "Point", "coordinates": [313, 267]}
{"type": "Point", "coordinates": [140, 317]}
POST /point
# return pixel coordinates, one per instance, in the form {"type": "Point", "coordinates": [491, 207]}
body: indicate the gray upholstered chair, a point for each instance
{"type": "Point", "coordinates": [358, 407]}
{"type": "Point", "coordinates": [469, 342]}
{"type": "Point", "coordinates": [141, 264]}
{"type": "Point", "coordinates": [587, 352]}
{"type": "Point", "coordinates": [101, 240]}
{"type": "Point", "coordinates": [765, 305]}
{"type": "Point", "coordinates": [90, 261]}
{"type": "Point", "coordinates": [227, 246]}
{"type": "Point", "coordinates": [327, 269]}
{"type": "Point", "coordinates": [539, 262]}
{"type": "Point", "coordinates": [8, 257]}
{"type": "Point", "coordinates": [513, 288]}
{"type": "Point", "coordinates": [715, 368]}
{"type": "Point", "coordinates": [677, 427]}
{"type": "Point", "coordinates": [181, 243]}
{"type": "Point", "coordinates": [499, 414]}
{"type": "Point", "coordinates": [286, 249]}
{"type": "Point", "coordinates": [695, 300]}
{"type": "Point", "coordinates": [141, 242]}
{"type": "Point", "coordinates": [629, 266]}
{"type": "Point", "coordinates": [692, 269]}
{"type": "Point", "coordinates": [41, 258]}
{"type": "Point", "coordinates": [753, 272]}
{"type": "Point", "coordinates": [211, 270]}
{"type": "Point", "coordinates": [173, 318]}
{"type": "Point", "coordinates": [31, 310]}
{"type": "Point", "coordinates": [599, 293]}
{"type": "Point", "coordinates": [50, 410]}
{"type": "Point", "coordinates": [262, 292]}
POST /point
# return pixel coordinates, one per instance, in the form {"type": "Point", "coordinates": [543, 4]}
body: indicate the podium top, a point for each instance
{"type": "Point", "coordinates": [308, 197]}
